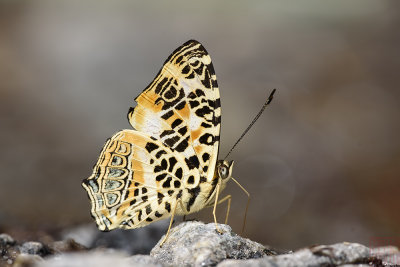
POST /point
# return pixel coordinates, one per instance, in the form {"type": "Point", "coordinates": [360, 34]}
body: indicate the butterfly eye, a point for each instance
{"type": "Point", "coordinates": [223, 171]}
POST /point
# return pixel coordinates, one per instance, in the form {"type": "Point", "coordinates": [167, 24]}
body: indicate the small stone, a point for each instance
{"type": "Point", "coordinates": [83, 234]}
{"type": "Point", "coordinates": [5, 239]}
{"type": "Point", "coordinates": [198, 244]}
{"type": "Point", "coordinates": [24, 260]}
{"type": "Point", "coordinates": [68, 245]}
{"type": "Point", "coordinates": [34, 248]}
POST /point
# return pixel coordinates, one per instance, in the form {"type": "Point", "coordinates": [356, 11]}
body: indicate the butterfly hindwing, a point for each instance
{"type": "Point", "coordinates": [136, 180]}
{"type": "Point", "coordinates": [181, 107]}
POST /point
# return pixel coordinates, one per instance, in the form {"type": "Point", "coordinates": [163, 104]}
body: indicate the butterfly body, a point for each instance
{"type": "Point", "coordinates": [168, 164]}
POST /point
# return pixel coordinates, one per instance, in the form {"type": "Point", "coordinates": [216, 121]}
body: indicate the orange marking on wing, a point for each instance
{"type": "Point", "coordinates": [173, 118]}
{"type": "Point", "coordinates": [122, 209]}
{"type": "Point", "coordinates": [107, 157]}
{"type": "Point", "coordinates": [198, 149]}
{"type": "Point", "coordinates": [195, 134]}
{"type": "Point", "coordinates": [138, 115]}
{"type": "Point", "coordinates": [138, 141]}
{"type": "Point", "coordinates": [137, 167]}
{"type": "Point", "coordinates": [148, 101]}
{"type": "Point", "coordinates": [185, 112]}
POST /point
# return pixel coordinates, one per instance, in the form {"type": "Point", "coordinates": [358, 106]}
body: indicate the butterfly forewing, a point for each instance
{"type": "Point", "coordinates": [181, 107]}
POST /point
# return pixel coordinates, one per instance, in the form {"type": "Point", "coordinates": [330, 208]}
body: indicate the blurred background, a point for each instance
{"type": "Point", "coordinates": [322, 164]}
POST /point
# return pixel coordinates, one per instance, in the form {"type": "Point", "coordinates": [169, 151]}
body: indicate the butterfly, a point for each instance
{"type": "Point", "coordinates": [168, 165]}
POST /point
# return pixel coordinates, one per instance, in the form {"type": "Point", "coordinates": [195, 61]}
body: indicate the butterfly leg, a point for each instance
{"type": "Point", "coordinates": [229, 198]}
{"type": "Point", "coordinates": [215, 207]}
{"type": "Point", "coordinates": [170, 222]}
{"type": "Point", "coordinates": [247, 205]}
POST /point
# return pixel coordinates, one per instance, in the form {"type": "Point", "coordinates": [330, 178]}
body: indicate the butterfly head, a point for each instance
{"type": "Point", "coordinates": [224, 169]}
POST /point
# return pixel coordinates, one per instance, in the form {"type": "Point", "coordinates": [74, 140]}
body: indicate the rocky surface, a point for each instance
{"type": "Point", "coordinates": [124, 240]}
{"type": "Point", "coordinates": [189, 244]}
{"type": "Point", "coordinates": [199, 244]}
{"type": "Point", "coordinates": [349, 254]}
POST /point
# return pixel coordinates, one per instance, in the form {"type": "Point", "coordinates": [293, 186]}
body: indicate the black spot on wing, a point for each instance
{"type": "Point", "coordinates": [207, 139]}
{"type": "Point", "coordinates": [148, 209]}
{"type": "Point", "coordinates": [167, 183]}
{"type": "Point", "coordinates": [205, 156]}
{"type": "Point", "coordinates": [213, 186]}
{"type": "Point", "coordinates": [182, 145]}
{"type": "Point", "coordinates": [159, 153]}
{"type": "Point", "coordinates": [214, 83]}
{"type": "Point", "coordinates": [192, 95]}
{"type": "Point", "coordinates": [179, 173]}
{"type": "Point", "coordinates": [160, 85]}
{"type": "Point", "coordinates": [216, 120]}
{"type": "Point", "coordinates": [192, 162]}
{"type": "Point", "coordinates": [206, 125]}
{"type": "Point", "coordinates": [200, 92]}
{"type": "Point", "coordinates": [167, 207]}
{"type": "Point", "coordinates": [182, 131]}
{"type": "Point", "coordinates": [207, 80]}
{"type": "Point", "coordinates": [180, 106]}
{"type": "Point", "coordinates": [179, 195]}
{"type": "Point", "coordinates": [172, 162]}
{"type": "Point", "coordinates": [201, 112]}
{"type": "Point", "coordinates": [166, 132]}
{"type": "Point", "coordinates": [158, 168]}
{"type": "Point", "coordinates": [140, 215]}
{"type": "Point", "coordinates": [171, 93]}
{"type": "Point", "coordinates": [186, 69]}
{"type": "Point", "coordinates": [194, 192]}
{"type": "Point", "coordinates": [177, 184]}
{"type": "Point", "coordinates": [171, 141]}
{"type": "Point", "coordinates": [193, 103]}
{"type": "Point", "coordinates": [164, 164]}
{"type": "Point", "coordinates": [160, 177]}
{"type": "Point", "coordinates": [190, 76]}
{"type": "Point", "coordinates": [179, 59]}
{"type": "Point", "coordinates": [176, 123]}
{"type": "Point", "coordinates": [190, 179]}
{"type": "Point", "coordinates": [160, 197]}
{"type": "Point", "coordinates": [150, 147]}
{"type": "Point", "coordinates": [167, 115]}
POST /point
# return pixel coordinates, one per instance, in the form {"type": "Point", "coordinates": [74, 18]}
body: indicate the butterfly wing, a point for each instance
{"type": "Point", "coordinates": [181, 107]}
{"type": "Point", "coordinates": [140, 174]}
{"type": "Point", "coordinates": [137, 180]}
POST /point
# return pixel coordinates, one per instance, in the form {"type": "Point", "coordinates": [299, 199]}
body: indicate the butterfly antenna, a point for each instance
{"type": "Point", "coordinates": [271, 96]}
